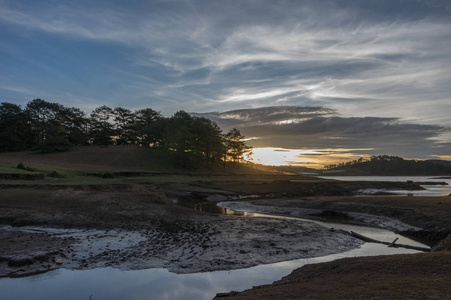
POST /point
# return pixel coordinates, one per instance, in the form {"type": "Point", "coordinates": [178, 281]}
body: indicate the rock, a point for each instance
{"type": "Point", "coordinates": [59, 261]}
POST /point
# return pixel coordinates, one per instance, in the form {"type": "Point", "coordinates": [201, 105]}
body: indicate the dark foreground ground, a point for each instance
{"type": "Point", "coordinates": [132, 226]}
{"type": "Point", "coordinates": [410, 276]}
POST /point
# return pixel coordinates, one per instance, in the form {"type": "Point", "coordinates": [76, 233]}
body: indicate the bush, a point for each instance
{"type": "Point", "coordinates": [23, 167]}
{"type": "Point", "coordinates": [55, 174]}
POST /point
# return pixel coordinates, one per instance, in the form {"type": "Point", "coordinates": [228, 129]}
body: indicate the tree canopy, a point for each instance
{"type": "Point", "coordinates": [48, 127]}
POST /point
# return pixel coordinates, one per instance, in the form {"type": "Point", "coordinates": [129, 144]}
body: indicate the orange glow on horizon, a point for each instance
{"type": "Point", "coordinates": [310, 158]}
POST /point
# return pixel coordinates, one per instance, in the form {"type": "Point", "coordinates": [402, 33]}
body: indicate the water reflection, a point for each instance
{"type": "Point", "coordinates": [160, 284]}
{"type": "Point", "coordinates": [212, 207]}
{"type": "Point", "coordinates": [430, 190]}
{"type": "Point", "coordinates": [367, 231]}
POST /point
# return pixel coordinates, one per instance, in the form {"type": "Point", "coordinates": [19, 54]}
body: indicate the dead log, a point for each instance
{"type": "Point", "coordinates": [392, 244]}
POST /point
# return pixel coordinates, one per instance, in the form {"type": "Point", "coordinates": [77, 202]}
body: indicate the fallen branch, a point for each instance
{"type": "Point", "coordinates": [392, 244]}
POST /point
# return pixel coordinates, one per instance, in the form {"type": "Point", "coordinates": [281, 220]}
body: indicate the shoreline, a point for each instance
{"type": "Point", "coordinates": [209, 249]}
{"type": "Point", "coordinates": [136, 227]}
{"type": "Point", "coordinates": [184, 249]}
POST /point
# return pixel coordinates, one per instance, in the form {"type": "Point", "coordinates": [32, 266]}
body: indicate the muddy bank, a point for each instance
{"type": "Point", "coordinates": [244, 243]}
{"type": "Point", "coordinates": [426, 218]}
{"type": "Point", "coordinates": [138, 229]}
{"type": "Point", "coordinates": [229, 190]}
{"type": "Point", "coordinates": [349, 217]}
{"type": "Point", "coordinates": [413, 276]}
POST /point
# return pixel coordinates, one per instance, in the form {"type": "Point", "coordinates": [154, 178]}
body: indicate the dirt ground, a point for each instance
{"type": "Point", "coordinates": [135, 226]}
{"type": "Point", "coordinates": [418, 276]}
{"type": "Point", "coordinates": [430, 215]}
{"type": "Point", "coordinates": [408, 276]}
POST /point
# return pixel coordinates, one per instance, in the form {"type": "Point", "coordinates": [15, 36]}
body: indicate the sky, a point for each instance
{"type": "Point", "coordinates": [307, 82]}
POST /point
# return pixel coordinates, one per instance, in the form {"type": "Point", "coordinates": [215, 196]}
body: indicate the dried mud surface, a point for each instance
{"type": "Point", "coordinates": [138, 229]}
{"type": "Point", "coordinates": [139, 226]}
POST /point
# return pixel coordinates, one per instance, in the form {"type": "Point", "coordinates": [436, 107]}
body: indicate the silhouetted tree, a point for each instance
{"type": "Point", "coordinates": [207, 144]}
{"type": "Point", "coordinates": [101, 128]}
{"type": "Point", "coordinates": [76, 124]}
{"type": "Point", "coordinates": [235, 146]}
{"type": "Point", "coordinates": [47, 121]}
{"type": "Point", "coordinates": [14, 128]}
{"type": "Point", "coordinates": [148, 127]}
{"type": "Point", "coordinates": [123, 125]}
{"type": "Point", "coordinates": [46, 126]}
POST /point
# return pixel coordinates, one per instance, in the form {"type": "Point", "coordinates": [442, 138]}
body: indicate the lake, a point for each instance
{"type": "Point", "coordinates": [109, 283]}
{"type": "Point", "coordinates": [431, 190]}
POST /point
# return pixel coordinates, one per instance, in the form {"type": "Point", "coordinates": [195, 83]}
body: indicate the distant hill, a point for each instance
{"type": "Point", "coordinates": [391, 165]}
{"type": "Point", "coordinates": [440, 162]}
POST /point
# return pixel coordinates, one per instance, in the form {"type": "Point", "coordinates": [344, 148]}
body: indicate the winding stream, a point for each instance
{"type": "Point", "coordinates": [109, 283]}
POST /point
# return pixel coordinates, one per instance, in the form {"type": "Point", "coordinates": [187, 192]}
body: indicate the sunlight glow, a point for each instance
{"type": "Point", "coordinates": [310, 158]}
{"type": "Point", "coordinates": [274, 156]}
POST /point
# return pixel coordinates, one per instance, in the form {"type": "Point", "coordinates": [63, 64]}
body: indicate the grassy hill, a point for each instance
{"type": "Point", "coordinates": [93, 159]}
{"type": "Point", "coordinates": [119, 164]}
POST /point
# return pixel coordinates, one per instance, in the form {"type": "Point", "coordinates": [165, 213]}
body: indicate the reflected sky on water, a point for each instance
{"type": "Point", "coordinates": [109, 283]}
{"type": "Point", "coordinates": [431, 190]}
{"type": "Point", "coordinates": [147, 284]}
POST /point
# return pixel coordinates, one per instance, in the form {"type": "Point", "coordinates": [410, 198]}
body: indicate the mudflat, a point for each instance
{"type": "Point", "coordinates": [135, 226]}
{"type": "Point", "coordinates": [408, 276]}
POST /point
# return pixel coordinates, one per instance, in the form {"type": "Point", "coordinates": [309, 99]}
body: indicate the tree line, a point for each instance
{"type": "Point", "coordinates": [373, 158]}
{"type": "Point", "coordinates": [391, 165]}
{"type": "Point", "coordinates": [48, 127]}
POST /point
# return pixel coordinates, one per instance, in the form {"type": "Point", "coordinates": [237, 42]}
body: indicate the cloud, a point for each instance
{"type": "Point", "coordinates": [364, 58]}
{"type": "Point", "coordinates": [323, 129]}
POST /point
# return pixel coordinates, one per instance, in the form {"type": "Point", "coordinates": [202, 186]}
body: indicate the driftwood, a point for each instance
{"type": "Point", "coordinates": [392, 244]}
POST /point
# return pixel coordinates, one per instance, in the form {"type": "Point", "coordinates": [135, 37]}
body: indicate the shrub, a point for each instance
{"type": "Point", "coordinates": [55, 174]}
{"type": "Point", "coordinates": [23, 167]}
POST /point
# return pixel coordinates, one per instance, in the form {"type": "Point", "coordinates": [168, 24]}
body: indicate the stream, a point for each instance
{"type": "Point", "coordinates": [110, 283]}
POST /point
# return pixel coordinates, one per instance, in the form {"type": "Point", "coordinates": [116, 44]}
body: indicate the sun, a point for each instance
{"type": "Point", "coordinates": [274, 156]}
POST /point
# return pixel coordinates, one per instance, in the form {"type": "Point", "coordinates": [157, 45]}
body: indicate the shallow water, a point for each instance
{"type": "Point", "coordinates": [109, 283]}
{"type": "Point", "coordinates": [370, 232]}
{"type": "Point", "coordinates": [431, 190]}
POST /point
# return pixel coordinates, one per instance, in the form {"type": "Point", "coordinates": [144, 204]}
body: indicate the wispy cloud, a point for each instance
{"type": "Point", "coordinates": [328, 131]}
{"type": "Point", "coordinates": [384, 59]}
